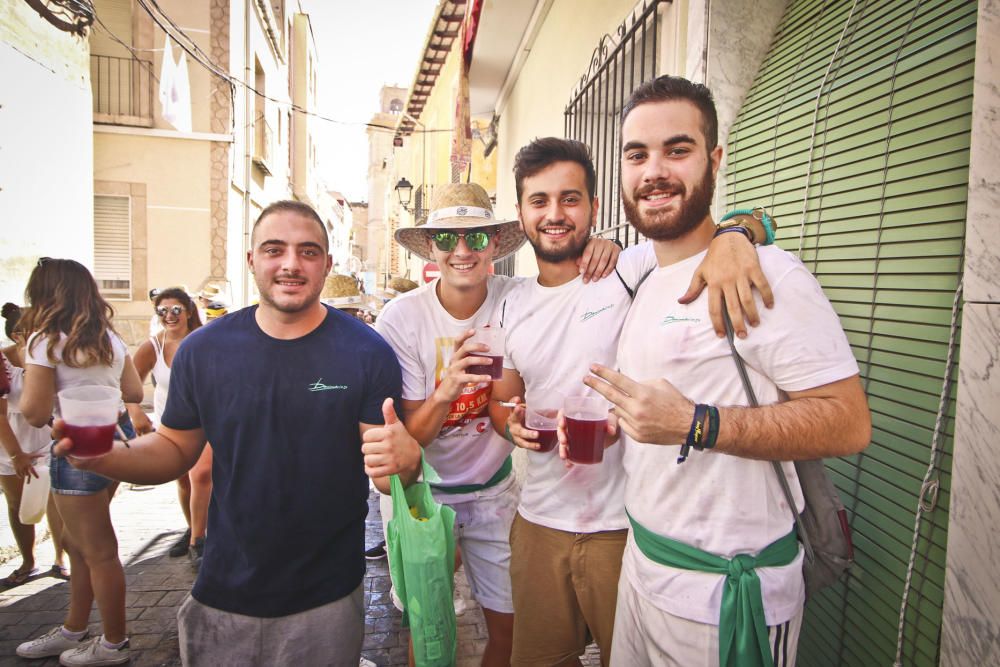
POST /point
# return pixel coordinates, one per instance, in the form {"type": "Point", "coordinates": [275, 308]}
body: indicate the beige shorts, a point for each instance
{"type": "Point", "coordinates": [564, 585]}
{"type": "Point", "coordinates": [646, 636]}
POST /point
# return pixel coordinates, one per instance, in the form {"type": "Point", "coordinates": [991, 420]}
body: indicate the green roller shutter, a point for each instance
{"type": "Point", "coordinates": [856, 136]}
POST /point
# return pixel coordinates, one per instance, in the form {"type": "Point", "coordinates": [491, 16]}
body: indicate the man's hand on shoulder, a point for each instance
{"type": "Point", "coordinates": [599, 259]}
{"type": "Point", "coordinates": [390, 449]}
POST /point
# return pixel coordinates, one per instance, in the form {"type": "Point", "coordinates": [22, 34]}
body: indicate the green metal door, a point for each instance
{"type": "Point", "coordinates": [856, 135]}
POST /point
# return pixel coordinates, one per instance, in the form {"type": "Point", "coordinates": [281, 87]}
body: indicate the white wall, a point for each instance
{"type": "Point", "coordinates": [46, 167]}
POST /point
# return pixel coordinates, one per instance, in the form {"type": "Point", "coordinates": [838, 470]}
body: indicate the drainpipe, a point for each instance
{"type": "Point", "coordinates": [249, 75]}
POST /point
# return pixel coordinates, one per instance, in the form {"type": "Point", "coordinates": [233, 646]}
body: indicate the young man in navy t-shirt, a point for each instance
{"type": "Point", "coordinates": [297, 400]}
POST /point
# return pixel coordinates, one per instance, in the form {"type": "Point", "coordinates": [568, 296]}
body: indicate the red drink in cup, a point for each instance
{"type": "Point", "coordinates": [90, 441]}
{"type": "Point", "coordinates": [542, 415]}
{"type": "Point", "coordinates": [493, 369]}
{"type": "Point", "coordinates": [493, 338]}
{"type": "Point", "coordinates": [90, 413]}
{"type": "Point", "coordinates": [586, 425]}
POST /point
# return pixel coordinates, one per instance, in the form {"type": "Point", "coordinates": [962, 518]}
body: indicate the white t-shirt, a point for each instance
{"type": "Point", "coordinates": [553, 335]}
{"type": "Point", "coordinates": [720, 503]}
{"type": "Point", "coordinates": [67, 376]}
{"type": "Point", "coordinates": [467, 450]}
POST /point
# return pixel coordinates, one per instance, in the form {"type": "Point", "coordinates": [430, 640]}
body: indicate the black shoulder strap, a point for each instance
{"type": "Point", "coordinates": [752, 398]}
{"type": "Point", "coordinates": [632, 291]}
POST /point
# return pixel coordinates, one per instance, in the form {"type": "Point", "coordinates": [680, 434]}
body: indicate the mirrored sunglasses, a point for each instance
{"type": "Point", "coordinates": [173, 310]}
{"type": "Point", "coordinates": [476, 240]}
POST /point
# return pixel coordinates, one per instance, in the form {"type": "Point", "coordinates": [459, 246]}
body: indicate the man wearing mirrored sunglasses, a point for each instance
{"type": "Point", "coordinates": [444, 404]}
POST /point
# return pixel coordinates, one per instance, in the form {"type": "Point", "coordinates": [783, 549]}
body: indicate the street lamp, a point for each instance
{"type": "Point", "coordinates": [404, 190]}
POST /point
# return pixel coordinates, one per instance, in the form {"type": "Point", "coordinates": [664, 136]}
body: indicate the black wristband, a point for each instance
{"type": "Point", "coordinates": [742, 230]}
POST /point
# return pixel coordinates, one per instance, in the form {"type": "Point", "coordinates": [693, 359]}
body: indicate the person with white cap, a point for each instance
{"type": "Point", "coordinates": [444, 405]}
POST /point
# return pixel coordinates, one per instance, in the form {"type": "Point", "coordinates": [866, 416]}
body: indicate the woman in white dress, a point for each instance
{"type": "Point", "coordinates": [24, 449]}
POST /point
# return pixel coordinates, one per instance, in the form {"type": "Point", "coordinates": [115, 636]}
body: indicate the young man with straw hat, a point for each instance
{"type": "Point", "coordinates": [444, 405]}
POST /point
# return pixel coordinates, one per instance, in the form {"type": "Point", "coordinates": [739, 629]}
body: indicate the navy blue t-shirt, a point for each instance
{"type": "Point", "coordinates": [289, 499]}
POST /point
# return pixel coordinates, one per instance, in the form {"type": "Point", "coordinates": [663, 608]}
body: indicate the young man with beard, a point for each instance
{"type": "Point", "coordinates": [297, 400]}
{"type": "Point", "coordinates": [569, 532]}
{"type": "Point", "coordinates": [723, 510]}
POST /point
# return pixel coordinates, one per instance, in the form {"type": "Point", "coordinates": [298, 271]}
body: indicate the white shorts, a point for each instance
{"type": "Point", "coordinates": [32, 440]}
{"type": "Point", "coordinates": [646, 635]}
{"type": "Point", "coordinates": [482, 531]}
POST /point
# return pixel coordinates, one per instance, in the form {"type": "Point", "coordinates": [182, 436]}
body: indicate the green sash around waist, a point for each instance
{"type": "Point", "coordinates": [742, 628]}
{"type": "Point", "coordinates": [498, 477]}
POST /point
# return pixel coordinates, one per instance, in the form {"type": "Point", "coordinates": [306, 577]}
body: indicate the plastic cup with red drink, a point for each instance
{"type": "Point", "coordinates": [542, 415]}
{"type": "Point", "coordinates": [90, 414]}
{"type": "Point", "coordinates": [586, 425]}
{"type": "Point", "coordinates": [493, 338]}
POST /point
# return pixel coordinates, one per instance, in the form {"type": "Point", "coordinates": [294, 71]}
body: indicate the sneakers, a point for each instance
{"type": "Point", "coordinates": [197, 550]}
{"type": "Point", "coordinates": [94, 653]}
{"type": "Point", "coordinates": [377, 552]}
{"type": "Point", "coordinates": [51, 643]}
{"type": "Point", "coordinates": [181, 546]}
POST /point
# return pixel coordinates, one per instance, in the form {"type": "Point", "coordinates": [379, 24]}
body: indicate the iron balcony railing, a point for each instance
{"type": "Point", "coordinates": [122, 90]}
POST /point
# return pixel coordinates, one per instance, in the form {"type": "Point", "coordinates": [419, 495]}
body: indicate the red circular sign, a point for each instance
{"type": "Point", "coordinates": [431, 271]}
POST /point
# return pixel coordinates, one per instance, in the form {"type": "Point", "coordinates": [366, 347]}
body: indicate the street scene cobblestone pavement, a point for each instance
{"type": "Point", "coordinates": [148, 521]}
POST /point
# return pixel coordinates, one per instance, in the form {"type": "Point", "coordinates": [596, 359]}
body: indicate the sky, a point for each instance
{"type": "Point", "coordinates": [361, 46]}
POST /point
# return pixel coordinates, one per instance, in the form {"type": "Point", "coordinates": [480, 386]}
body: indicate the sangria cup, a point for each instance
{"type": "Point", "coordinates": [542, 414]}
{"type": "Point", "coordinates": [90, 413]}
{"type": "Point", "coordinates": [586, 424]}
{"type": "Point", "coordinates": [493, 337]}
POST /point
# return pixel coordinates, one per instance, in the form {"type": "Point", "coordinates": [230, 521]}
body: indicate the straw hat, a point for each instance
{"type": "Point", "coordinates": [341, 291]}
{"type": "Point", "coordinates": [462, 206]}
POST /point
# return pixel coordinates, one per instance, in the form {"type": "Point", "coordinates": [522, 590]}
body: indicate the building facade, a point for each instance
{"type": "Point", "coordinates": [866, 129]}
{"type": "Point", "coordinates": [46, 173]}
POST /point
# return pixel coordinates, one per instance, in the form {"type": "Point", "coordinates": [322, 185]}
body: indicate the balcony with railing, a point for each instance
{"type": "Point", "coordinates": [122, 90]}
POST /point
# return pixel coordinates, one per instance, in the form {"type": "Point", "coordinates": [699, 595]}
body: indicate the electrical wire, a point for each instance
{"type": "Point", "coordinates": [203, 59]}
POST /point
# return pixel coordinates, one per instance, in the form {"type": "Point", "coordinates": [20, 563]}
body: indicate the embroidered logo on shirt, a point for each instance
{"type": "Point", "coordinates": [319, 386]}
{"type": "Point", "coordinates": [594, 313]}
{"type": "Point", "coordinates": [670, 319]}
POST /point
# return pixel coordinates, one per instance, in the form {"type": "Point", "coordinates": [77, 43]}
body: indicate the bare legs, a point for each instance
{"type": "Point", "coordinates": [24, 533]}
{"type": "Point", "coordinates": [500, 627]}
{"type": "Point", "coordinates": [89, 540]}
{"type": "Point", "coordinates": [55, 529]}
{"type": "Point", "coordinates": [184, 497]}
{"type": "Point", "coordinates": [200, 489]}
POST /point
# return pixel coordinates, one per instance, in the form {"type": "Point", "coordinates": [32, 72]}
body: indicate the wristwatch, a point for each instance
{"type": "Point", "coordinates": [729, 222]}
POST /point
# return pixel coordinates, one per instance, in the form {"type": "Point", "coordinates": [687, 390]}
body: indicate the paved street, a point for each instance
{"type": "Point", "coordinates": [148, 521]}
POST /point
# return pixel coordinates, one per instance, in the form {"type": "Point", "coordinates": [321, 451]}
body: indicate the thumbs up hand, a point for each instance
{"type": "Point", "coordinates": [390, 449]}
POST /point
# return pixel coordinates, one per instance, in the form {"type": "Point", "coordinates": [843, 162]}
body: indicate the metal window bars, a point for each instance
{"type": "Point", "coordinates": [619, 63]}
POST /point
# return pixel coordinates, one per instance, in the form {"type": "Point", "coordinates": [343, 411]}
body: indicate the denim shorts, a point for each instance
{"type": "Point", "coordinates": [68, 481]}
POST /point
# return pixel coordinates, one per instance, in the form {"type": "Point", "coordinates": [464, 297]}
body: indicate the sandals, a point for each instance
{"type": "Point", "coordinates": [59, 572]}
{"type": "Point", "coordinates": [18, 577]}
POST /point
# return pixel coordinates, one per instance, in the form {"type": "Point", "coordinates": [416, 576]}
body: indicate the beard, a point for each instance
{"type": "Point", "coordinates": [670, 225]}
{"type": "Point", "coordinates": [574, 250]}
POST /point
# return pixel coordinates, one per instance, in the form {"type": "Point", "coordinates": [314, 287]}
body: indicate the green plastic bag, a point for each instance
{"type": "Point", "coordinates": [422, 566]}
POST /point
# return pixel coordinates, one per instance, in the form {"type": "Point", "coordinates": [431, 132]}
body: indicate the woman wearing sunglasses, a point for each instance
{"type": "Point", "coordinates": [178, 316]}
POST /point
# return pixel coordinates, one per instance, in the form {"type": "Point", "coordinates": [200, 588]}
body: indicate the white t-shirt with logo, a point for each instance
{"type": "Point", "coordinates": [716, 502]}
{"type": "Point", "coordinates": [553, 335]}
{"type": "Point", "coordinates": [67, 376]}
{"type": "Point", "coordinates": [467, 450]}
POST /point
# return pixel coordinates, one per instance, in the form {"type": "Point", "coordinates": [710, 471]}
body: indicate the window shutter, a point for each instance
{"type": "Point", "coordinates": [113, 246]}
{"type": "Point", "coordinates": [117, 16]}
{"type": "Point", "coordinates": [862, 120]}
